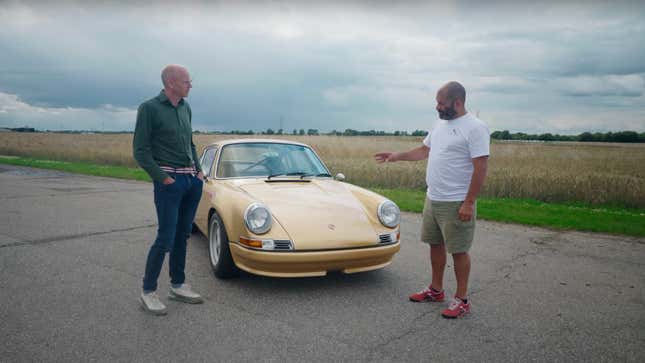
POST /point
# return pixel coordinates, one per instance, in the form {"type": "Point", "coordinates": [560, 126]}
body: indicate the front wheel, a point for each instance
{"type": "Point", "coordinates": [218, 249]}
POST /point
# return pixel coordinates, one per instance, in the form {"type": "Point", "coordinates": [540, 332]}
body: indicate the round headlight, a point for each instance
{"type": "Point", "coordinates": [257, 218]}
{"type": "Point", "coordinates": [389, 213]}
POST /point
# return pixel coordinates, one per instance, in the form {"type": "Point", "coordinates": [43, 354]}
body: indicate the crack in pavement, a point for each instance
{"type": "Point", "coordinates": [540, 244]}
{"type": "Point", "coordinates": [72, 236]}
{"type": "Point", "coordinates": [379, 347]}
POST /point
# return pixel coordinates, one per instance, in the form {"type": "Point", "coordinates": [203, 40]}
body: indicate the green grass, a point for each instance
{"type": "Point", "coordinates": [574, 216]}
{"type": "Point", "coordinates": [79, 168]}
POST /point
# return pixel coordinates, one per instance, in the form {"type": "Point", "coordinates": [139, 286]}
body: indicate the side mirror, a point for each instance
{"type": "Point", "coordinates": [340, 177]}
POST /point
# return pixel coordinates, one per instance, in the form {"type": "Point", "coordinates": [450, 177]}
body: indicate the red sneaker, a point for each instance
{"type": "Point", "coordinates": [456, 309]}
{"type": "Point", "coordinates": [428, 295]}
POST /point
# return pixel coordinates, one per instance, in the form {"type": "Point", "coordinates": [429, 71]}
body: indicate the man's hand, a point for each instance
{"type": "Point", "coordinates": [466, 211]}
{"type": "Point", "coordinates": [419, 153]}
{"type": "Point", "coordinates": [168, 181]}
{"type": "Point", "coordinates": [200, 176]}
{"type": "Point", "coordinates": [385, 157]}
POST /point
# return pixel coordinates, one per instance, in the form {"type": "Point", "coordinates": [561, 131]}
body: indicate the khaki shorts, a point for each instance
{"type": "Point", "coordinates": [441, 225]}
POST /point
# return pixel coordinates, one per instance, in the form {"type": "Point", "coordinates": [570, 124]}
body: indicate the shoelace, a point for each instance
{"type": "Point", "coordinates": [454, 304]}
{"type": "Point", "coordinates": [429, 291]}
{"type": "Point", "coordinates": [153, 296]}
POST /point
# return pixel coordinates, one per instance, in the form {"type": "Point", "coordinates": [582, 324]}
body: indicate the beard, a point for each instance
{"type": "Point", "coordinates": [448, 113]}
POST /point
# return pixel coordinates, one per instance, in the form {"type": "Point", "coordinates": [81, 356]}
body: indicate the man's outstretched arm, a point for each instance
{"type": "Point", "coordinates": [419, 153]}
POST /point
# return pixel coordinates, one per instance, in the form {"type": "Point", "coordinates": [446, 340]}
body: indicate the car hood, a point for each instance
{"type": "Point", "coordinates": [319, 214]}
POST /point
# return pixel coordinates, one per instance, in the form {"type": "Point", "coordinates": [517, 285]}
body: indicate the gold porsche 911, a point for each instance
{"type": "Point", "coordinates": [270, 207]}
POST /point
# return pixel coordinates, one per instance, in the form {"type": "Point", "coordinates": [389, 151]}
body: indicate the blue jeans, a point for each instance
{"type": "Point", "coordinates": [176, 205]}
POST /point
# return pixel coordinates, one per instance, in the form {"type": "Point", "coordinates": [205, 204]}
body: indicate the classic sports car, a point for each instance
{"type": "Point", "coordinates": [270, 207]}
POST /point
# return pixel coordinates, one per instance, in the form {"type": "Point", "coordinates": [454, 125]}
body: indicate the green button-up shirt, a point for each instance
{"type": "Point", "coordinates": [164, 136]}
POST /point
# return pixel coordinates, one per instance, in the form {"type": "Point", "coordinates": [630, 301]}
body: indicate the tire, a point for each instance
{"type": "Point", "coordinates": [219, 253]}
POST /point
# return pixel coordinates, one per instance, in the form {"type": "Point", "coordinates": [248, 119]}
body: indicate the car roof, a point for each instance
{"type": "Point", "coordinates": [253, 140]}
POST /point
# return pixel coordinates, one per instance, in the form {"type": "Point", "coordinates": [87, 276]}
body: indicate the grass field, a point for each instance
{"type": "Point", "coordinates": [594, 174]}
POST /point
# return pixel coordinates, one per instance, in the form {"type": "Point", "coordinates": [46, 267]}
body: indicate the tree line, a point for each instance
{"type": "Point", "coordinates": [620, 136]}
{"type": "Point", "coordinates": [310, 132]}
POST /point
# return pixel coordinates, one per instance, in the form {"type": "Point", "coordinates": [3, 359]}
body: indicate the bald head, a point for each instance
{"type": "Point", "coordinates": [454, 91]}
{"type": "Point", "coordinates": [172, 72]}
{"type": "Point", "coordinates": [176, 82]}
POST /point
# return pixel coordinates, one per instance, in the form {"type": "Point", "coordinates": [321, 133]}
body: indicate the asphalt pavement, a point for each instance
{"type": "Point", "coordinates": [73, 249]}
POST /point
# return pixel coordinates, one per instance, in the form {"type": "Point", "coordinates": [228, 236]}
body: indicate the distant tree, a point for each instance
{"type": "Point", "coordinates": [625, 136]}
{"type": "Point", "coordinates": [295, 132]}
{"type": "Point", "coordinates": [419, 133]}
{"type": "Point", "coordinates": [546, 137]}
{"type": "Point", "coordinates": [279, 132]}
{"type": "Point", "coordinates": [270, 132]}
{"type": "Point", "coordinates": [312, 132]}
{"type": "Point", "coordinates": [519, 136]}
{"type": "Point", "coordinates": [598, 136]}
{"type": "Point", "coordinates": [301, 132]}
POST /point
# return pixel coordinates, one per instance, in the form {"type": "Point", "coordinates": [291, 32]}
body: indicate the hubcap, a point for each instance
{"type": "Point", "coordinates": [214, 242]}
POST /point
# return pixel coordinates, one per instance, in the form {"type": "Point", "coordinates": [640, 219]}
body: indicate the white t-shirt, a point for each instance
{"type": "Point", "coordinates": [453, 144]}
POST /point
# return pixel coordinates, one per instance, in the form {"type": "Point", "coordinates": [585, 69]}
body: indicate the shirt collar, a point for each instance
{"type": "Point", "coordinates": [164, 99]}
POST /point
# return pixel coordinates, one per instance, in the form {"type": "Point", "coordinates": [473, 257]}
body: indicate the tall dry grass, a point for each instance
{"type": "Point", "coordinates": [591, 173]}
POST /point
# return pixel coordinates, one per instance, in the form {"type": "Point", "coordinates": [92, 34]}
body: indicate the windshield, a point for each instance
{"type": "Point", "coordinates": [268, 160]}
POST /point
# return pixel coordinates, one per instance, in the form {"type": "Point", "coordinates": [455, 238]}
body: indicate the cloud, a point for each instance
{"type": "Point", "coordinates": [325, 65]}
{"type": "Point", "coordinates": [16, 113]}
{"type": "Point", "coordinates": [571, 122]}
{"type": "Point", "coordinates": [613, 85]}
{"type": "Point", "coordinates": [503, 84]}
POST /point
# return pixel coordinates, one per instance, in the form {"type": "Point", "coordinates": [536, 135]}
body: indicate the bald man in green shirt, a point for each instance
{"type": "Point", "coordinates": [164, 148]}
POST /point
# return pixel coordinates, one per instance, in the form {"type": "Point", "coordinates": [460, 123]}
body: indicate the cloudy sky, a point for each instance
{"type": "Point", "coordinates": [530, 67]}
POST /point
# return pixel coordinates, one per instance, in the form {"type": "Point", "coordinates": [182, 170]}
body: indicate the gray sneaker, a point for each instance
{"type": "Point", "coordinates": [151, 303]}
{"type": "Point", "coordinates": [184, 294]}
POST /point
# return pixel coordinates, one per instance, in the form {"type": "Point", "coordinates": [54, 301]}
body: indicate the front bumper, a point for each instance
{"type": "Point", "coordinates": [315, 263]}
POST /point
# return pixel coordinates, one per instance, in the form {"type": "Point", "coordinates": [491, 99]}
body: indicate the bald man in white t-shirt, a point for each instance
{"type": "Point", "coordinates": [457, 148]}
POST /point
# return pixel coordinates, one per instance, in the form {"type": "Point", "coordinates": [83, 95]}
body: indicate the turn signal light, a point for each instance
{"type": "Point", "coordinates": [255, 243]}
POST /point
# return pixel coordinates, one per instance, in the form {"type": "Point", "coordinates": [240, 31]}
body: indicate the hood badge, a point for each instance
{"type": "Point", "coordinates": [331, 226]}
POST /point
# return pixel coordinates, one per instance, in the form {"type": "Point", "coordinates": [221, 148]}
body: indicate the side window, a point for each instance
{"type": "Point", "coordinates": [207, 160]}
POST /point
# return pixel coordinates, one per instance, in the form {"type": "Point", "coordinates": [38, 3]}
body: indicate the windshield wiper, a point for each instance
{"type": "Point", "coordinates": [274, 175]}
{"type": "Point", "coordinates": [302, 174]}
{"type": "Point", "coordinates": [295, 173]}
